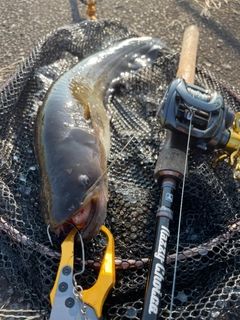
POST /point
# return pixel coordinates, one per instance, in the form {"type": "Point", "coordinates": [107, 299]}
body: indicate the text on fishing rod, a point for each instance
{"type": "Point", "coordinates": [159, 271]}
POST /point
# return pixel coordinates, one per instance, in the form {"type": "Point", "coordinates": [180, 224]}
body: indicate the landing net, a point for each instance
{"type": "Point", "coordinates": [208, 280]}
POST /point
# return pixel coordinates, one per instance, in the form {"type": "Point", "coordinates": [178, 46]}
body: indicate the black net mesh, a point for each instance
{"type": "Point", "coordinates": [208, 280]}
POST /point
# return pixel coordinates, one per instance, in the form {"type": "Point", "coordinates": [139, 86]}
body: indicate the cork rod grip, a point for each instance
{"type": "Point", "coordinates": [187, 63]}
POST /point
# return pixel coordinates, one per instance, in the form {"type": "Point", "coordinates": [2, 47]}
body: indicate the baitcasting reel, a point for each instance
{"type": "Point", "coordinates": [213, 125]}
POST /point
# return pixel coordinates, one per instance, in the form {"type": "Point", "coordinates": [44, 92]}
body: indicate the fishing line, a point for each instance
{"type": "Point", "coordinates": [109, 167]}
{"type": "Point", "coordinates": [82, 247]}
{"type": "Point", "coordinates": [189, 117]}
{"type": "Point", "coordinates": [83, 253]}
{"type": "Point", "coordinates": [49, 236]}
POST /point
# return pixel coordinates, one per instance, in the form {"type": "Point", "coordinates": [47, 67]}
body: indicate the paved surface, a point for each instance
{"type": "Point", "coordinates": [23, 22]}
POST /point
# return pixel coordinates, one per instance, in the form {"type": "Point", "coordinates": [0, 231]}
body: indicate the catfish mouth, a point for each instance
{"type": "Point", "coordinates": [89, 217]}
{"type": "Point", "coordinates": [82, 219]}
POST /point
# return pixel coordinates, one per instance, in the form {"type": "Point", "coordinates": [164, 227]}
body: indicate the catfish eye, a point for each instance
{"type": "Point", "coordinates": [83, 179]}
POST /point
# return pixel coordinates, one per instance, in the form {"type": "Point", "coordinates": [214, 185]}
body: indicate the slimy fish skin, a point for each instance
{"type": "Point", "coordinates": [72, 136]}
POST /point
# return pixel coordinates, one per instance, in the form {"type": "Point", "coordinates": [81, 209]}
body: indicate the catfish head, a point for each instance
{"type": "Point", "coordinates": [69, 192]}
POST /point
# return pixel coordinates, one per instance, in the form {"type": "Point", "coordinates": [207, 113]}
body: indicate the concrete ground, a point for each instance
{"type": "Point", "coordinates": [24, 22]}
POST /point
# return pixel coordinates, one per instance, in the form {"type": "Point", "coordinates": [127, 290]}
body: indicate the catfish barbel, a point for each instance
{"type": "Point", "coordinates": [72, 136]}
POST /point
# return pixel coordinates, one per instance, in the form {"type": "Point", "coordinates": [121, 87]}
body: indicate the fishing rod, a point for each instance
{"type": "Point", "coordinates": [169, 171]}
{"type": "Point", "coordinates": [193, 117]}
